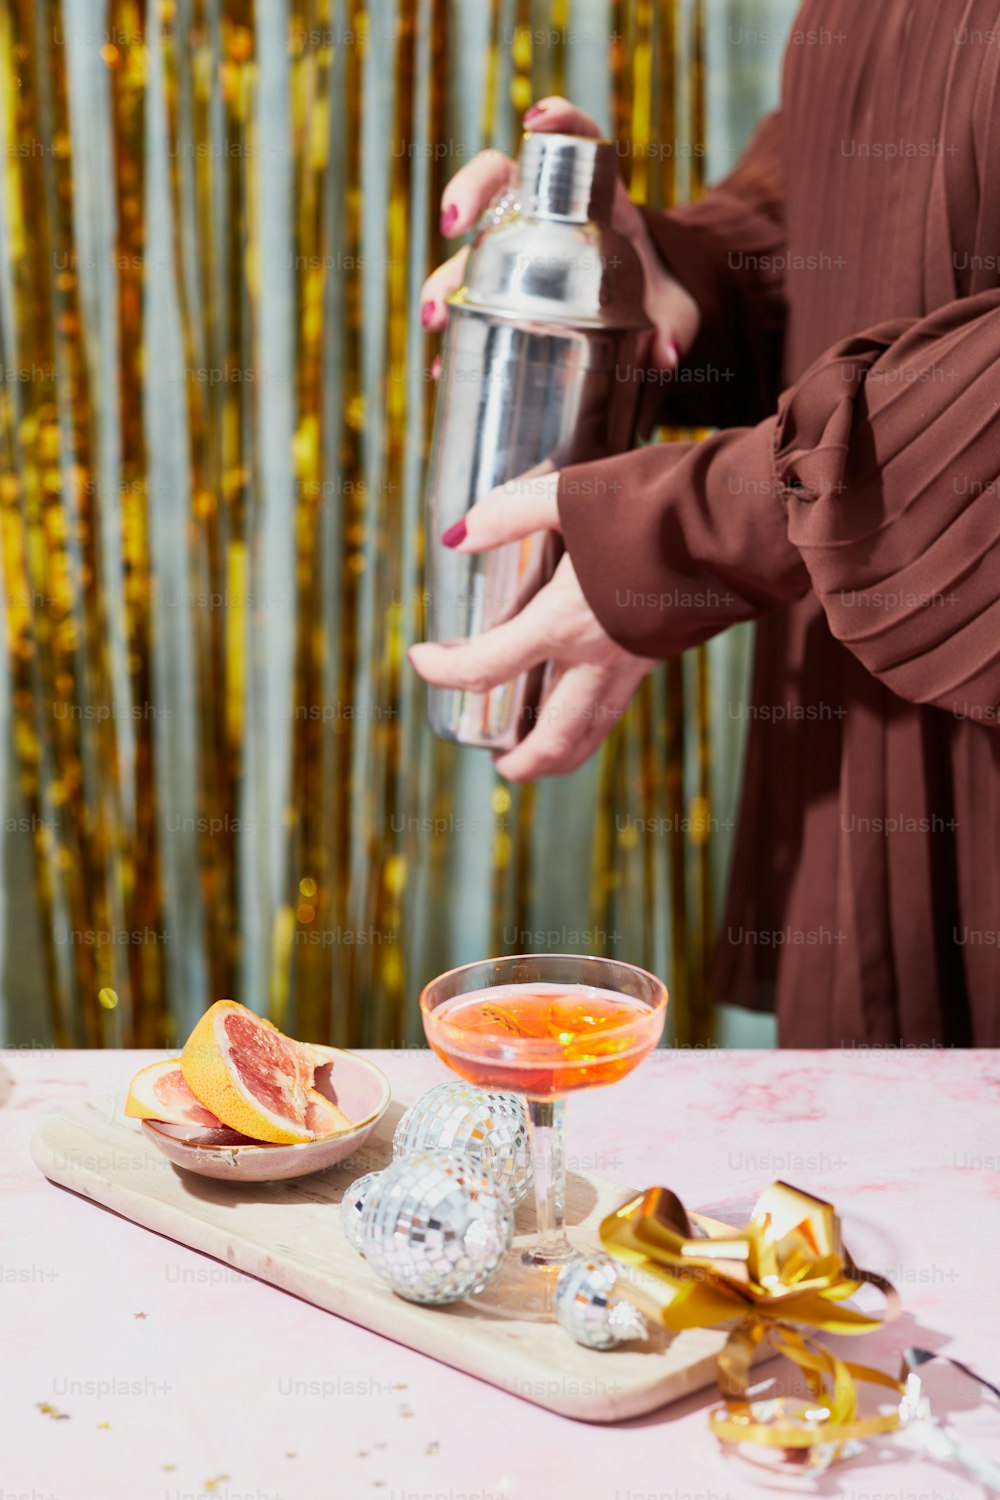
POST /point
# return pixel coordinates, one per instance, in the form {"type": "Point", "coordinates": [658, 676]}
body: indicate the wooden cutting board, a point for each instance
{"type": "Point", "coordinates": [289, 1234]}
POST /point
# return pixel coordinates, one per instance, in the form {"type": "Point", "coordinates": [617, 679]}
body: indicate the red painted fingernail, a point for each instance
{"type": "Point", "coordinates": [455, 534]}
{"type": "Point", "coordinates": [449, 216]}
{"type": "Point", "coordinates": [427, 313]}
{"type": "Point", "coordinates": [435, 367]}
{"type": "Point", "coordinates": [672, 345]}
{"type": "Point", "coordinates": [533, 113]}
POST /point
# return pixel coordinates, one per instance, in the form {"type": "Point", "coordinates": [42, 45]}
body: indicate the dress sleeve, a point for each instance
{"type": "Point", "coordinates": [727, 250]}
{"type": "Point", "coordinates": [875, 485]}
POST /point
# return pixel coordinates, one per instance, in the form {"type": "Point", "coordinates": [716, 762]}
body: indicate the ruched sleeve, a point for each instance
{"type": "Point", "coordinates": [728, 249]}
{"type": "Point", "coordinates": [875, 485]}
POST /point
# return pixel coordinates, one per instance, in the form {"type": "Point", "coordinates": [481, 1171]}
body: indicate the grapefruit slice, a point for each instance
{"type": "Point", "coordinates": [160, 1093]}
{"type": "Point", "coordinates": [257, 1080]}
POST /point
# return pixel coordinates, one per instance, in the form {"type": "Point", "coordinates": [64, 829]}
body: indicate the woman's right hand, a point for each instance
{"type": "Point", "coordinates": [672, 310]}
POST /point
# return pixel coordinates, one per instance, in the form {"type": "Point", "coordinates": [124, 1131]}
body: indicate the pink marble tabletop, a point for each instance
{"type": "Point", "coordinates": [133, 1367]}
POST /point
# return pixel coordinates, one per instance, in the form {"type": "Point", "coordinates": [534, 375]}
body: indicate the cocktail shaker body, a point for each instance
{"type": "Point", "coordinates": [542, 368]}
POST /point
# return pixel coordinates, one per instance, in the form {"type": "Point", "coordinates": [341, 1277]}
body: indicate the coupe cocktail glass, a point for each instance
{"type": "Point", "coordinates": [544, 1025]}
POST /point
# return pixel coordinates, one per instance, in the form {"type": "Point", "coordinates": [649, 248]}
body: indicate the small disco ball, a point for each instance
{"type": "Point", "coordinates": [352, 1207]}
{"type": "Point", "coordinates": [489, 1127]}
{"type": "Point", "coordinates": [437, 1227]}
{"type": "Point", "coordinates": [589, 1308]}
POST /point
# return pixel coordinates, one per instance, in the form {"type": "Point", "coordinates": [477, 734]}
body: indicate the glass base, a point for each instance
{"type": "Point", "coordinates": [524, 1288]}
{"type": "Point", "coordinates": [555, 1253]}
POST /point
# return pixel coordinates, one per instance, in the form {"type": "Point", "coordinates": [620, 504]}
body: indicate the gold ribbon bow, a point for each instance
{"type": "Point", "coordinates": [784, 1272]}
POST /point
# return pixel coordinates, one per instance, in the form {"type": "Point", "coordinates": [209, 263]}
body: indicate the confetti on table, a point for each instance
{"type": "Point", "coordinates": [401, 1386]}
{"type": "Point", "coordinates": [48, 1410]}
{"type": "Point", "coordinates": [432, 1448]}
{"type": "Point", "coordinates": [291, 1455]}
{"type": "Point", "coordinates": [168, 1468]}
{"type": "Point", "coordinates": [139, 1315]}
{"type": "Point", "coordinates": [212, 1484]}
{"type": "Point", "coordinates": [103, 1426]}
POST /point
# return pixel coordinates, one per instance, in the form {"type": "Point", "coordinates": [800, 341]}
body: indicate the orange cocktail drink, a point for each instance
{"type": "Point", "coordinates": [543, 1040]}
{"type": "Point", "coordinates": [544, 1025]}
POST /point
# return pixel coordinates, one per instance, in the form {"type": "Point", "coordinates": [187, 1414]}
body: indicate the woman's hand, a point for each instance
{"type": "Point", "coordinates": [672, 310]}
{"type": "Point", "coordinates": [592, 678]}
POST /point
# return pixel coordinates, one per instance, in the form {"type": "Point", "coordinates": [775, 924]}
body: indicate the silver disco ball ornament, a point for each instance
{"type": "Point", "coordinates": [437, 1227]}
{"type": "Point", "coordinates": [589, 1308]}
{"type": "Point", "coordinates": [489, 1127]}
{"type": "Point", "coordinates": [352, 1207]}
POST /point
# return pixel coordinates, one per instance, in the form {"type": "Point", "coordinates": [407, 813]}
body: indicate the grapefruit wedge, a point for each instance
{"type": "Point", "coordinates": [257, 1080]}
{"type": "Point", "coordinates": [160, 1093]}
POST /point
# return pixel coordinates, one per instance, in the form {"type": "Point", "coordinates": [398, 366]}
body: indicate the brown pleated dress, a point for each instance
{"type": "Point", "coordinates": [847, 272]}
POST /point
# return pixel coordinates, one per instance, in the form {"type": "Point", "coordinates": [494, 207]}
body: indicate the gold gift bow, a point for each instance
{"type": "Point", "coordinates": [787, 1267]}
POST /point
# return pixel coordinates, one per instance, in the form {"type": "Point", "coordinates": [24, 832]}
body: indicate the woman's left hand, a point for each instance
{"type": "Point", "coordinates": [593, 679]}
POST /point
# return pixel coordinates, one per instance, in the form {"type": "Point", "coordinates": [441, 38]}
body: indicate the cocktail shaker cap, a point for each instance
{"type": "Point", "coordinates": [570, 177]}
{"type": "Point", "coordinates": [547, 251]}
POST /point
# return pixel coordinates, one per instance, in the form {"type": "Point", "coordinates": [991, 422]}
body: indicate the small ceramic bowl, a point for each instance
{"type": "Point", "coordinates": [353, 1083]}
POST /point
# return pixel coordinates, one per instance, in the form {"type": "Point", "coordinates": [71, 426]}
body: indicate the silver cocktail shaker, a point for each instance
{"type": "Point", "coordinates": [542, 367]}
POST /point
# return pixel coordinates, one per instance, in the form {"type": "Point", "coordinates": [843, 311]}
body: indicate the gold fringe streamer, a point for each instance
{"type": "Point", "coordinates": [189, 135]}
{"type": "Point", "coordinates": [26, 623]}
{"type": "Point", "coordinates": [388, 872]}
{"type": "Point", "coordinates": [51, 543]}
{"type": "Point", "coordinates": [354, 862]}
{"type": "Point", "coordinates": [126, 61]}
{"type": "Point", "coordinates": [311, 901]}
{"type": "Point", "coordinates": [353, 488]}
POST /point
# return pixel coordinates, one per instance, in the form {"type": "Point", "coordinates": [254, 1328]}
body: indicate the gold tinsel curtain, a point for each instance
{"type": "Point", "coordinates": [215, 410]}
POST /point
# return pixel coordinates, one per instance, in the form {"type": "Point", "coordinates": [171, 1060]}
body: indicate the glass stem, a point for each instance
{"type": "Point", "coordinates": [548, 1146]}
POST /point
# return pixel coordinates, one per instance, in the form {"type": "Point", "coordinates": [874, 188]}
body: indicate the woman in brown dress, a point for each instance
{"type": "Point", "coordinates": [834, 305]}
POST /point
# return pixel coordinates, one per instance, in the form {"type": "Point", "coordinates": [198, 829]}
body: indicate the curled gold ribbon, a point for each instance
{"type": "Point", "coordinates": [783, 1273]}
